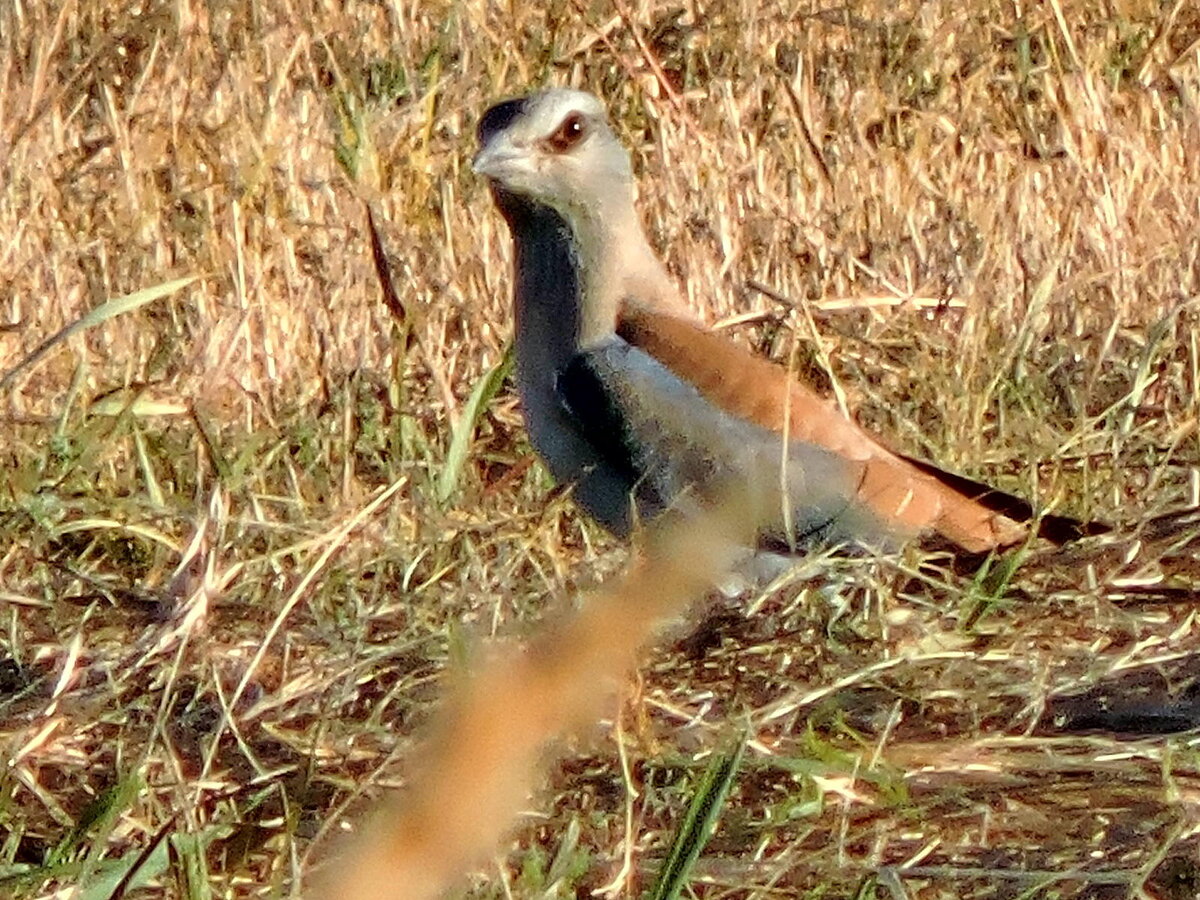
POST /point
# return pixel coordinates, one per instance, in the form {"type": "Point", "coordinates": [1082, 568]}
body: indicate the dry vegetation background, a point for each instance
{"type": "Point", "coordinates": [238, 554]}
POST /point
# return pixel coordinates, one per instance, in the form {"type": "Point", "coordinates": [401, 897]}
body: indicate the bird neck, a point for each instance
{"type": "Point", "coordinates": [547, 291]}
{"type": "Point", "coordinates": [615, 261]}
{"type": "Point", "coordinates": [573, 273]}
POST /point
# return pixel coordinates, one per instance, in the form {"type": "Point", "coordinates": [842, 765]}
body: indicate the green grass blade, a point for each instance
{"type": "Point", "coordinates": [189, 851]}
{"type": "Point", "coordinates": [464, 429]}
{"type": "Point", "coordinates": [698, 824]}
{"type": "Point", "coordinates": [116, 307]}
{"type": "Point", "coordinates": [112, 878]}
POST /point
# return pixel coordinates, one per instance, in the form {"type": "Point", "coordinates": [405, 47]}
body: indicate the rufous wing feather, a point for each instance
{"type": "Point", "coordinates": [763, 392]}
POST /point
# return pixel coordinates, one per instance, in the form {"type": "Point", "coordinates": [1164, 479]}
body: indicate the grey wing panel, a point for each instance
{"type": "Point", "coordinates": [684, 447]}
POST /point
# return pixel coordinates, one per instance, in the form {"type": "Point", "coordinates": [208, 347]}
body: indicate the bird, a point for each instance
{"type": "Point", "coordinates": [631, 399]}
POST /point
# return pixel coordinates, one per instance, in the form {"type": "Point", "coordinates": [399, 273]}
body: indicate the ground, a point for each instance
{"type": "Point", "coordinates": [252, 515]}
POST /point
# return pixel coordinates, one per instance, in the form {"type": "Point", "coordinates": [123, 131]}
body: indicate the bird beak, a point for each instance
{"type": "Point", "coordinates": [498, 159]}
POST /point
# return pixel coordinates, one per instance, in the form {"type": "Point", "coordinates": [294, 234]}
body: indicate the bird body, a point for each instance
{"type": "Point", "coordinates": [640, 406]}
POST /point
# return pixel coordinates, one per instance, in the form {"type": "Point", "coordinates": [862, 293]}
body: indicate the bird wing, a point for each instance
{"type": "Point", "coordinates": [909, 498]}
{"type": "Point", "coordinates": [641, 416]}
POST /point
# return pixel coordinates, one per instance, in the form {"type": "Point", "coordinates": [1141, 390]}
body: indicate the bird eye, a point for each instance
{"type": "Point", "coordinates": [568, 134]}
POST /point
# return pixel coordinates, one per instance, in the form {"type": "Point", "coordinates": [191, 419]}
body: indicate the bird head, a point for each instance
{"type": "Point", "coordinates": [555, 148]}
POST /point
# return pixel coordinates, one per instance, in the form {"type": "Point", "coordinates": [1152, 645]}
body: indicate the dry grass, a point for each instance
{"type": "Point", "coordinates": [230, 593]}
{"type": "Point", "coordinates": [474, 774]}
